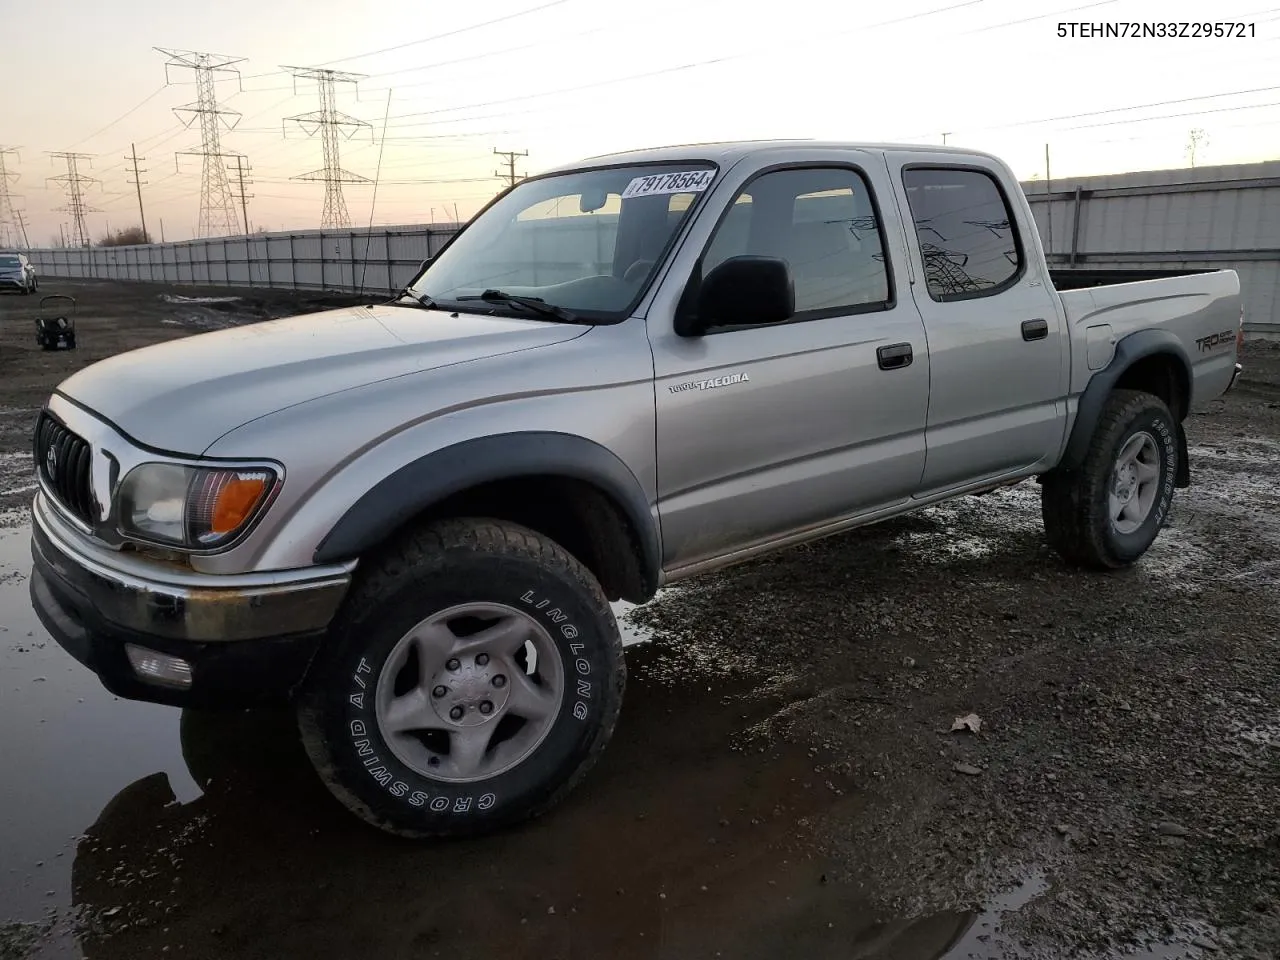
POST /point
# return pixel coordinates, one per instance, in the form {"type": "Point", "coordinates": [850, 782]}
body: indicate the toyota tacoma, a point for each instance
{"type": "Point", "coordinates": [409, 520]}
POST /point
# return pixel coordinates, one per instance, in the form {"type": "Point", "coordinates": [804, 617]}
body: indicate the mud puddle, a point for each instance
{"type": "Point", "coordinates": [134, 828]}
{"type": "Point", "coordinates": [68, 747]}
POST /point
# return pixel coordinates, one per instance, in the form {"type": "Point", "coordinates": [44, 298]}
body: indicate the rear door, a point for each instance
{"type": "Point", "coordinates": [998, 347]}
{"type": "Point", "coordinates": [768, 431]}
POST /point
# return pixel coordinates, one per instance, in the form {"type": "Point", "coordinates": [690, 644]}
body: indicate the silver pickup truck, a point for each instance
{"type": "Point", "coordinates": [409, 519]}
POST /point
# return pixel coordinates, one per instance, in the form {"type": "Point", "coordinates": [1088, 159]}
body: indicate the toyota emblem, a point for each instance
{"type": "Point", "coordinates": [51, 462]}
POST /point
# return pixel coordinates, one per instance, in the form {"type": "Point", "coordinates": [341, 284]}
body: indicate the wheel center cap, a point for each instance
{"type": "Point", "coordinates": [471, 694]}
{"type": "Point", "coordinates": [1126, 482]}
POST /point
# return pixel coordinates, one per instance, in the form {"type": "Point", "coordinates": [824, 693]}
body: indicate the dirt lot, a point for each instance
{"type": "Point", "coordinates": [784, 781]}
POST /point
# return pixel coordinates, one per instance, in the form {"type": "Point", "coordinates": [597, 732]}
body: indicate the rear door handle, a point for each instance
{"type": "Point", "coordinates": [1035, 329]}
{"type": "Point", "coordinates": [894, 356]}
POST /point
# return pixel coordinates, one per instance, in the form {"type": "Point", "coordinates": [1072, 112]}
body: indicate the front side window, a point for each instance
{"type": "Point", "coordinates": [965, 229]}
{"type": "Point", "coordinates": [586, 241]}
{"type": "Point", "coordinates": [823, 223]}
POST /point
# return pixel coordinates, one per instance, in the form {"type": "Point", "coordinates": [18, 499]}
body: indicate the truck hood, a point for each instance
{"type": "Point", "coordinates": [183, 395]}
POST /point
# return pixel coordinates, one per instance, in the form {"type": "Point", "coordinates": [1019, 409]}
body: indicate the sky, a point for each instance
{"type": "Point", "coordinates": [442, 86]}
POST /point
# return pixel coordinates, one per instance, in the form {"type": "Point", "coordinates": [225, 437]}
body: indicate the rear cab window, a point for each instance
{"type": "Point", "coordinates": [965, 227]}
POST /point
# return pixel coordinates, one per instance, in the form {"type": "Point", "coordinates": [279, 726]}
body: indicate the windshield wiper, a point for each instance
{"type": "Point", "coordinates": [535, 304]}
{"type": "Point", "coordinates": [422, 300]}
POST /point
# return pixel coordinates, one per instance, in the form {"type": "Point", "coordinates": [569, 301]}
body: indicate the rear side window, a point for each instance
{"type": "Point", "coordinates": [965, 228]}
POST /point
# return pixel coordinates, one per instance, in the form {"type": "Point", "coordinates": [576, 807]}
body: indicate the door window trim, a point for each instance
{"type": "Point", "coordinates": [1018, 245]}
{"type": "Point", "coordinates": [686, 300]}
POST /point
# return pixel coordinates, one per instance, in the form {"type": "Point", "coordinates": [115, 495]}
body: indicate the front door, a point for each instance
{"type": "Point", "coordinates": [766, 431]}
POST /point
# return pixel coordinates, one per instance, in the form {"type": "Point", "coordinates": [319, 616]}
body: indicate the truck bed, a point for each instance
{"type": "Point", "coordinates": [1201, 309]}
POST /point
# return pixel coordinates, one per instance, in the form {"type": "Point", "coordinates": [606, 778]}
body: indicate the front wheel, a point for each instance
{"type": "Point", "coordinates": [473, 677]}
{"type": "Point", "coordinates": [1108, 512]}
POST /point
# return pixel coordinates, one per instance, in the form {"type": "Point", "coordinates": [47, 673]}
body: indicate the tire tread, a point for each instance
{"type": "Point", "coordinates": [1071, 505]}
{"type": "Point", "coordinates": [429, 546]}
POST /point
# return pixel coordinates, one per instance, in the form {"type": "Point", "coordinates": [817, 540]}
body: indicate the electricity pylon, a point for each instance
{"type": "Point", "coordinates": [73, 181]}
{"type": "Point", "coordinates": [218, 216]}
{"type": "Point", "coordinates": [328, 121]}
{"type": "Point", "coordinates": [10, 224]}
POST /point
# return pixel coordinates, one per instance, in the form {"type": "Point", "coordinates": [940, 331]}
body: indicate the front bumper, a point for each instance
{"type": "Point", "coordinates": [13, 283]}
{"type": "Point", "coordinates": [248, 639]}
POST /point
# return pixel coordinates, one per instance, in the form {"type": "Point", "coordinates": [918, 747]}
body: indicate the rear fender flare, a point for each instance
{"type": "Point", "coordinates": [1129, 350]}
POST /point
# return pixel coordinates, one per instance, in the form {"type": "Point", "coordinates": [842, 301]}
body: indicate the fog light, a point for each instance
{"type": "Point", "coordinates": [156, 667]}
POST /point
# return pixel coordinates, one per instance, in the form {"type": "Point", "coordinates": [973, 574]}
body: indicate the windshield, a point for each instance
{"type": "Point", "coordinates": [587, 242]}
{"type": "Point", "coordinates": [9, 262]}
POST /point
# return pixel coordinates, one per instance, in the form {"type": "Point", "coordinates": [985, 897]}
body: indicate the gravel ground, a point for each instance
{"type": "Point", "coordinates": [785, 780]}
{"type": "Point", "coordinates": [1129, 746]}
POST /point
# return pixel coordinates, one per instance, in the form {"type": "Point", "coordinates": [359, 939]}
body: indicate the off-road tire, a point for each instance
{"type": "Point", "coordinates": [434, 569]}
{"type": "Point", "coordinates": [1074, 502]}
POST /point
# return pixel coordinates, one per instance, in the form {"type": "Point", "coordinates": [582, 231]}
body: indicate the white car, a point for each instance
{"type": "Point", "coordinates": [16, 272]}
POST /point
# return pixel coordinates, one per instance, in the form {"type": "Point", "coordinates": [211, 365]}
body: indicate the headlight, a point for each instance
{"type": "Point", "coordinates": [194, 507]}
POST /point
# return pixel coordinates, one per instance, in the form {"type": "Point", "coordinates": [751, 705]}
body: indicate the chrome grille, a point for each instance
{"type": "Point", "coordinates": [63, 458]}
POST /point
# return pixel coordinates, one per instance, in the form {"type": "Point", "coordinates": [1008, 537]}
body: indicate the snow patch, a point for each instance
{"type": "Point", "coordinates": [175, 298]}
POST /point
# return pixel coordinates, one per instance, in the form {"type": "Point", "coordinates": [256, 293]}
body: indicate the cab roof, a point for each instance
{"type": "Point", "coordinates": [726, 153]}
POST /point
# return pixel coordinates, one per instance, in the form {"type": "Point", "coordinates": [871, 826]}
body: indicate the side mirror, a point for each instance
{"type": "Point", "coordinates": [425, 263]}
{"type": "Point", "coordinates": [743, 292]}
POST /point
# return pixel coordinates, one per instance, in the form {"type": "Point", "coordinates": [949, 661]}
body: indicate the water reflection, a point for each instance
{"type": "Point", "coordinates": [264, 863]}
{"type": "Point", "coordinates": [212, 836]}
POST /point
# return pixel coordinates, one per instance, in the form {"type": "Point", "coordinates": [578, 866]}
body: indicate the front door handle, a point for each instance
{"type": "Point", "coordinates": [1035, 329]}
{"type": "Point", "coordinates": [894, 356]}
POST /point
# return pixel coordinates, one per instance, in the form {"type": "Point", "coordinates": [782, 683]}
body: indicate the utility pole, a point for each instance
{"type": "Point", "coordinates": [137, 182]}
{"type": "Point", "coordinates": [1048, 206]}
{"type": "Point", "coordinates": [944, 138]}
{"type": "Point", "coordinates": [244, 206]}
{"type": "Point", "coordinates": [7, 214]}
{"type": "Point", "coordinates": [510, 175]}
{"type": "Point", "coordinates": [62, 235]}
{"type": "Point", "coordinates": [217, 200]}
{"type": "Point", "coordinates": [162, 229]}
{"type": "Point", "coordinates": [328, 121]}
{"type": "Point", "coordinates": [26, 244]}
{"type": "Point", "coordinates": [73, 181]}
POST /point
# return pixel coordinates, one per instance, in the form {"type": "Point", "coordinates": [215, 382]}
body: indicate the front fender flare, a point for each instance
{"type": "Point", "coordinates": [397, 498]}
{"type": "Point", "coordinates": [1129, 350]}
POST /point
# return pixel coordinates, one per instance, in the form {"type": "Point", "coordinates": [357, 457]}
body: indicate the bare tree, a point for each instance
{"type": "Point", "coordinates": [125, 238]}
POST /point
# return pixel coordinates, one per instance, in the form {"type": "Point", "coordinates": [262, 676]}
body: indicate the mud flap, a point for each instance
{"type": "Point", "coordinates": [1182, 478]}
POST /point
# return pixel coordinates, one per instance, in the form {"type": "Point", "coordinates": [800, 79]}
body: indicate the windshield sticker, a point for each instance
{"type": "Point", "coordinates": [689, 181]}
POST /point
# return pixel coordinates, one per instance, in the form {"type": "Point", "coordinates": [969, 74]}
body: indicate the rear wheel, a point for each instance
{"type": "Point", "coordinates": [473, 677]}
{"type": "Point", "coordinates": [1108, 512]}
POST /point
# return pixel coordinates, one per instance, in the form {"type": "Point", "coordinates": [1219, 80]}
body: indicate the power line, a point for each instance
{"type": "Point", "coordinates": [450, 33]}
{"type": "Point", "coordinates": [769, 48]}
{"type": "Point", "coordinates": [124, 116]}
{"type": "Point", "coordinates": [327, 121]}
{"type": "Point", "coordinates": [73, 181]}
{"type": "Point", "coordinates": [1042, 16]}
{"type": "Point", "coordinates": [217, 201]}
{"type": "Point", "coordinates": [1100, 113]}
